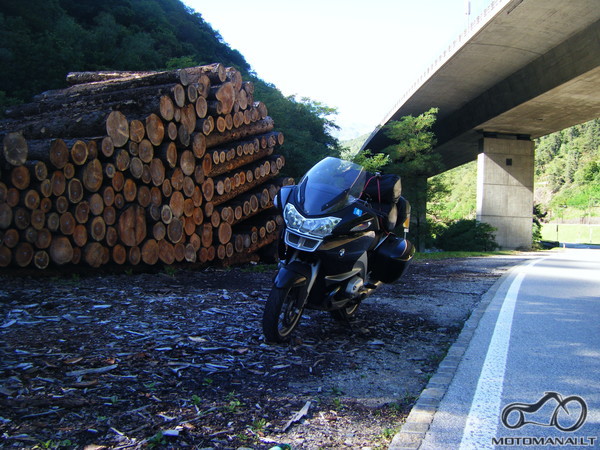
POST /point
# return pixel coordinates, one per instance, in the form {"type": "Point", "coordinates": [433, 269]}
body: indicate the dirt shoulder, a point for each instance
{"type": "Point", "coordinates": [178, 359]}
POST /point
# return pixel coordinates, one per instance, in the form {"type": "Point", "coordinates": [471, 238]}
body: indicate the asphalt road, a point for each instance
{"type": "Point", "coordinates": [539, 334]}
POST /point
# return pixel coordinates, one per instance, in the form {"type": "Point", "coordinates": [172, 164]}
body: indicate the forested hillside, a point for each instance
{"type": "Point", "coordinates": [43, 40]}
{"type": "Point", "coordinates": [567, 178]}
{"type": "Point", "coordinates": [567, 171]}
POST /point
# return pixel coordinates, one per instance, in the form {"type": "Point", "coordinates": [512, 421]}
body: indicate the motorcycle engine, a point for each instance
{"type": "Point", "coordinates": [354, 286]}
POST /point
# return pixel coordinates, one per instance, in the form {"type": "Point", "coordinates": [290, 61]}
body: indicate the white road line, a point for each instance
{"type": "Point", "coordinates": [483, 416]}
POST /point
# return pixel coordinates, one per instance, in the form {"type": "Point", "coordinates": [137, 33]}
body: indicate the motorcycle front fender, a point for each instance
{"type": "Point", "coordinates": [297, 273]}
{"type": "Point", "coordinates": [292, 273]}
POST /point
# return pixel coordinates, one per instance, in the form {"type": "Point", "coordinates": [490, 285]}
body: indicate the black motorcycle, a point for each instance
{"type": "Point", "coordinates": [337, 246]}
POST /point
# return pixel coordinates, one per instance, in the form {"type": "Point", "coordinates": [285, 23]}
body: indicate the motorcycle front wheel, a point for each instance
{"type": "Point", "coordinates": [282, 312]}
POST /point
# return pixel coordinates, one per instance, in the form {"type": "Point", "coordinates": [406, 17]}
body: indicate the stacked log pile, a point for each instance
{"type": "Point", "coordinates": [139, 168]}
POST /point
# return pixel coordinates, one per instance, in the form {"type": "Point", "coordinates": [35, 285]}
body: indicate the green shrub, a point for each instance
{"type": "Point", "coordinates": [467, 235]}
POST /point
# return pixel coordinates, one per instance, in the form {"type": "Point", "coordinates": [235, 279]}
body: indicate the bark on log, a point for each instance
{"type": "Point", "coordinates": [178, 76]}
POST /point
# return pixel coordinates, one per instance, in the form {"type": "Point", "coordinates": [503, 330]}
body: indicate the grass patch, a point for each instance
{"type": "Point", "coordinates": [571, 233]}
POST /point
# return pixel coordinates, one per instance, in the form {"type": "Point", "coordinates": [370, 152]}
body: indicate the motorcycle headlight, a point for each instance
{"type": "Point", "coordinates": [320, 227]}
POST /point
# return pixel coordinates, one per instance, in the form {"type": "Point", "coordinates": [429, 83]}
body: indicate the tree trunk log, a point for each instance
{"type": "Point", "coordinates": [14, 149]}
{"type": "Point", "coordinates": [131, 226]}
{"type": "Point", "coordinates": [93, 254]}
{"type": "Point", "coordinates": [262, 126]}
{"type": "Point", "coordinates": [61, 250]}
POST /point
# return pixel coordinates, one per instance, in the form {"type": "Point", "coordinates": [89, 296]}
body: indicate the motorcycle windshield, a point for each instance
{"type": "Point", "coordinates": [329, 186]}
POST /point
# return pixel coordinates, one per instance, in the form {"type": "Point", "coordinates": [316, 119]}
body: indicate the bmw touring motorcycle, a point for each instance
{"type": "Point", "coordinates": [337, 246]}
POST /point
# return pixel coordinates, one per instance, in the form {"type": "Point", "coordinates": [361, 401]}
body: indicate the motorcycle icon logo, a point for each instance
{"type": "Point", "coordinates": [560, 420]}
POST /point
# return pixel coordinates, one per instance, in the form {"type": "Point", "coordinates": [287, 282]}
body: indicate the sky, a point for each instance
{"type": "Point", "coordinates": [358, 56]}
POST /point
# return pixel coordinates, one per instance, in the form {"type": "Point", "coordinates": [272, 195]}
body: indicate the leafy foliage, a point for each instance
{"type": "Point", "coordinates": [306, 125]}
{"type": "Point", "coordinates": [455, 194]}
{"type": "Point", "coordinates": [43, 40]}
{"type": "Point", "coordinates": [567, 168]}
{"type": "Point", "coordinates": [412, 157]}
{"type": "Point", "coordinates": [467, 235]}
{"type": "Point", "coordinates": [372, 163]}
{"type": "Point", "coordinates": [412, 153]}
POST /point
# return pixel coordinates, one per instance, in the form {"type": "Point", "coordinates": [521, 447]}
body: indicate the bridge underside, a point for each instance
{"type": "Point", "coordinates": [531, 70]}
{"type": "Point", "coordinates": [556, 91]}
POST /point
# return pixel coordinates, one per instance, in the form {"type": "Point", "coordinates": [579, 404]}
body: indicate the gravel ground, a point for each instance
{"type": "Point", "coordinates": [177, 359]}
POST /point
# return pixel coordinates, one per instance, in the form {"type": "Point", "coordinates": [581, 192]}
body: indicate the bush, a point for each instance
{"type": "Point", "coordinates": [467, 235]}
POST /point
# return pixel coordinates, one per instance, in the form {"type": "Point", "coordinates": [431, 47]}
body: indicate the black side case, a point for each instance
{"type": "Point", "coordinates": [391, 258]}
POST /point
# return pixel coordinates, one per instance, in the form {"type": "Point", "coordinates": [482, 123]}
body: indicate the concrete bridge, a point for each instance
{"type": "Point", "coordinates": [523, 69]}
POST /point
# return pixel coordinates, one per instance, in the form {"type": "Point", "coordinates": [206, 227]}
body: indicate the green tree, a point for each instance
{"type": "Point", "coordinates": [456, 196]}
{"type": "Point", "coordinates": [371, 162]}
{"type": "Point", "coordinates": [412, 157]}
{"type": "Point", "coordinates": [306, 125]}
{"type": "Point", "coordinates": [567, 166]}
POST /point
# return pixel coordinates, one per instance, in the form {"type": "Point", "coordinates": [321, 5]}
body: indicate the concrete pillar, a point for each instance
{"type": "Point", "coordinates": [505, 189]}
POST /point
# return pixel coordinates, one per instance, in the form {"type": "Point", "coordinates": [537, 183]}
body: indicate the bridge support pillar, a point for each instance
{"type": "Point", "coordinates": [505, 189]}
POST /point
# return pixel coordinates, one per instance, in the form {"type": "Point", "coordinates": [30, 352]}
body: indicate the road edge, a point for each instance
{"type": "Point", "coordinates": [418, 421]}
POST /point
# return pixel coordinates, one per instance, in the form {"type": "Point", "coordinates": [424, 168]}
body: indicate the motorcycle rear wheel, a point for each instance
{"type": "Point", "coordinates": [282, 313]}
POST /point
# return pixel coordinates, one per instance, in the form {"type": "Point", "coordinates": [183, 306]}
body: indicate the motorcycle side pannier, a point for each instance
{"type": "Point", "coordinates": [383, 189]}
{"type": "Point", "coordinates": [392, 258]}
